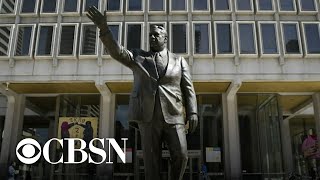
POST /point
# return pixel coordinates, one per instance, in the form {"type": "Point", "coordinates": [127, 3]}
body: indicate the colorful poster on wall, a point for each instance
{"type": "Point", "coordinates": [85, 128]}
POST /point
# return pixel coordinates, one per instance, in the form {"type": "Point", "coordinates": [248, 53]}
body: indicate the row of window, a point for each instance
{"type": "Point", "coordinates": [30, 7]}
{"type": "Point", "coordinates": [251, 41]}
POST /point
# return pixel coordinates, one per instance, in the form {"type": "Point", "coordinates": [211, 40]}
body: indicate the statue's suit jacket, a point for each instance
{"type": "Point", "coordinates": [175, 88]}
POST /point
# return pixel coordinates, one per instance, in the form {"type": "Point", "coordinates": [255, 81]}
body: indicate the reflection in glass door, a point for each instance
{"type": "Point", "coordinates": [270, 141]}
{"type": "Point", "coordinates": [260, 140]}
{"type": "Point", "coordinates": [211, 136]}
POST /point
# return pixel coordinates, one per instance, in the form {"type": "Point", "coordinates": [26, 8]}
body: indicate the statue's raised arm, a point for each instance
{"type": "Point", "coordinates": [115, 50]}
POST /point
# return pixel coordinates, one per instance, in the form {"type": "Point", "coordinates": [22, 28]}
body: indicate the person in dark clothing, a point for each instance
{"type": "Point", "coordinates": [87, 133]}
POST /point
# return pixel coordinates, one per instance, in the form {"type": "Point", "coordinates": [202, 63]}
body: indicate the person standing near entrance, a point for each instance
{"type": "Point", "coordinates": [311, 152]}
{"type": "Point", "coordinates": [162, 95]}
{"type": "Point", "coordinates": [12, 172]}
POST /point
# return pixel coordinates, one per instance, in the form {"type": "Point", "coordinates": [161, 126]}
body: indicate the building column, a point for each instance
{"type": "Point", "coordinates": [12, 128]}
{"type": "Point", "coordinates": [286, 145]}
{"type": "Point", "coordinates": [231, 132]}
{"type": "Point", "coordinates": [16, 131]}
{"type": "Point", "coordinates": [106, 128]}
{"type": "Point", "coordinates": [53, 133]}
{"type": "Point", "coordinates": [6, 142]}
{"type": "Point", "coordinates": [316, 107]}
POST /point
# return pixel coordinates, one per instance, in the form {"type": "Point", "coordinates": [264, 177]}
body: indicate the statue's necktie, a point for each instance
{"type": "Point", "coordinates": [161, 66]}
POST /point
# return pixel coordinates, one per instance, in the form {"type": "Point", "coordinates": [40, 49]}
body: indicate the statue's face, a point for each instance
{"type": "Point", "coordinates": [157, 40]}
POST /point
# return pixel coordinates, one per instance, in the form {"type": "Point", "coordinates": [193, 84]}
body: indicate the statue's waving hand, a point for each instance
{"type": "Point", "coordinates": [97, 18]}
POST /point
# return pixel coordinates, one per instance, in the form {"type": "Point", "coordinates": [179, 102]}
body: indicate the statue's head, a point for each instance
{"type": "Point", "coordinates": [157, 38]}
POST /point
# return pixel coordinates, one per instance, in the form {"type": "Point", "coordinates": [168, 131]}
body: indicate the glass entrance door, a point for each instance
{"type": "Point", "coordinates": [205, 145]}
{"type": "Point", "coordinates": [260, 138]}
{"type": "Point", "coordinates": [38, 124]}
{"type": "Point", "coordinates": [78, 117]}
{"type": "Point", "coordinates": [270, 141]}
{"type": "Point", "coordinates": [211, 136]}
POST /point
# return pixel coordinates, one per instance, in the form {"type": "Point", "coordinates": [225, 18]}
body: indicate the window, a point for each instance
{"type": "Point", "coordinates": [268, 37]}
{"type": "Point", "coordinates": [157, 5]}
{"type": "Point", "coordinates": [134, 36]}
{"type": "Point", "coordinates": [88, 39]}
{"type": "Point", "coordinates": [202, 38]}
{"type": "Point", "coordinates": [68, 39]}
{"type": "Point", "coordinates": [134, 5]}
{"type": "Point", "coordinates": [265, 5]}
{"type": "Point", "coordinates": [29, 6]}
{"type": "Point", "coordinates": [49, 6]}
{"type": "Point", "coordinates": [8, 7]}
{"type": "Point", "coordinates": [88, 3]}
{"type": "Point", "coordinates": [5, 38]}
{"type": "Point", "coordinates": [115, 29]}
{"type": "Point", "coordinates": [163, 24]}
{"type": "Point", "coordinates": [224, 39]}
{"type": "Point", "coordinates": [45, 40]}
{"type": "Point", "coordinates": [221, 5]}
{"type": "Point", "coordinates": [312, 37]}
{"type": "Point", "coordinates": [244, 5]}
{"type": "Point", "coordinates": [291, 40]}
{"type": "Point", "coordinates": [307, 5]}
{"type": "Point", "coordinates": [178, 5]}
{"type": "Point", "coordinates": [247, 38]}
{"type": "Point", "coordinates": [179, 38]}
{"type": "Point", "coordinates": [287, 5]}
{"type": "Point", "coordinates": [200, 5]}
{"type": "Point", "coordinates": [114, 5]}
{"type": "Point", "coordinates": [24, 40]}
{"type": "Point", "coordinates": [71, 6]}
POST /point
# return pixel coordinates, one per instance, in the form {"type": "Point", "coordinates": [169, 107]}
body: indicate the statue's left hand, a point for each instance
{"type": "Point", "coordinates": [97, 18]}
{"type": "Point", "coordinates": [193, 123]}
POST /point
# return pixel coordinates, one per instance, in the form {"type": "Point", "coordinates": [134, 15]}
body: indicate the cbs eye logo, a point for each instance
{"type": "Point", "coordinates": [26, 151]}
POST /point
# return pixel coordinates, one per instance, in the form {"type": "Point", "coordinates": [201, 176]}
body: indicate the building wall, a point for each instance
{"type": "Point", "coordinates": [205, 67]}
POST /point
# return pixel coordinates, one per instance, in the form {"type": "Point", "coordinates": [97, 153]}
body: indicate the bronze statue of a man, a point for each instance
{"type": "Point", "coordinates": [162, 96]}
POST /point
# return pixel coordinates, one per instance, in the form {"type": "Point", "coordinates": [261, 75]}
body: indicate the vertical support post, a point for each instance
{"type": "Point", "coordinates": [12, 124]}
{"type": "Point", "coordinates": [106, 128]}
{"type": "Point", "coordinates": [231, 130]}
{"type": "Point", "coordinates": [5, 148]}
{"type": "Point", "coordinates": [16, 131]}
{"type": "Point", "coordinates": [225, 137]}
{"type": "Point", "coordinates": [316, 107]}
{"type": "Point", "coordinates": [285, 141]}
{"type": "Point", "coordinates": [53, 151]}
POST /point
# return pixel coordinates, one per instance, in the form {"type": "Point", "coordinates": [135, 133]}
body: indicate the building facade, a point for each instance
{"type": "Point", "coordinates": [255, 66]}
